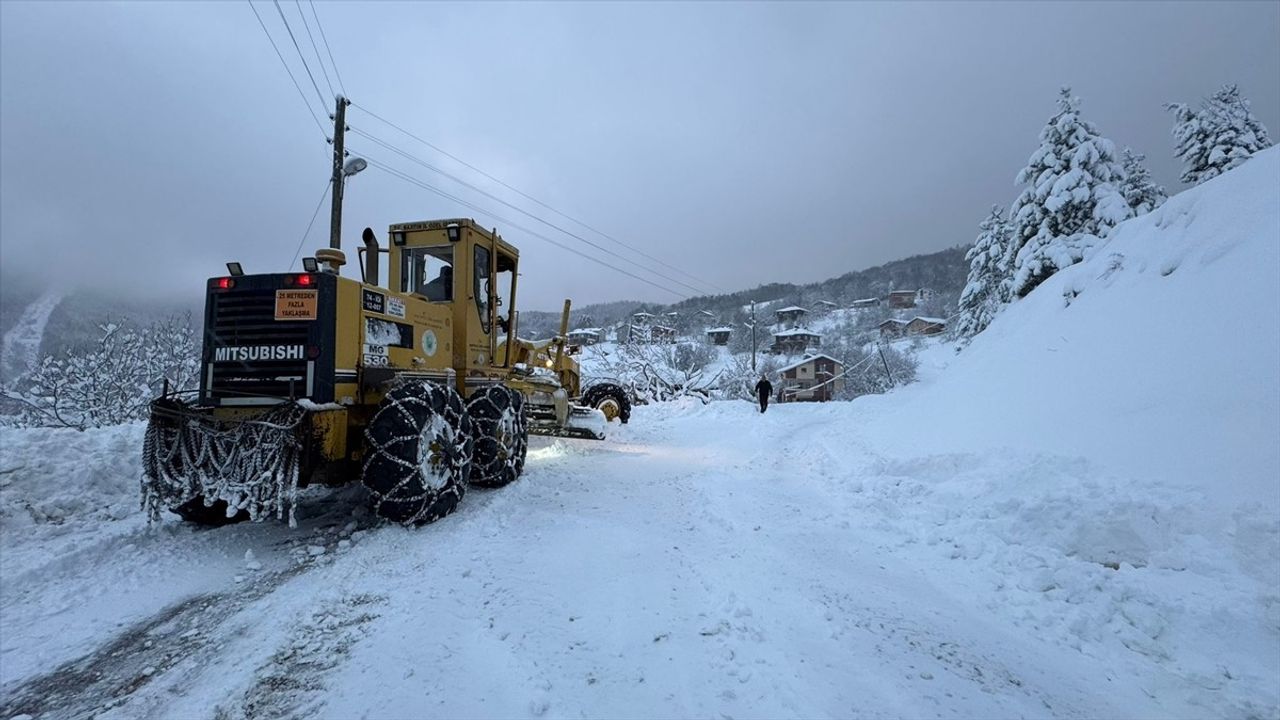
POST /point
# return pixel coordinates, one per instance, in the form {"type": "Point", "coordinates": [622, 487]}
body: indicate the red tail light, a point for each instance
{"type": "Point", "coordinates": [224, 283]}
{"type": "Point", "coordinates": [305, 280]}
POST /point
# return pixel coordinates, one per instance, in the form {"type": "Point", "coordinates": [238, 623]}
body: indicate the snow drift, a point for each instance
{"type": "Point", "coordinates": [1158, 356]}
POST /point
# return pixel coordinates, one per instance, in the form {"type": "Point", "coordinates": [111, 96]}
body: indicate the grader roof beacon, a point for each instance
{"type": "Point", "coordinates": [417, 387]}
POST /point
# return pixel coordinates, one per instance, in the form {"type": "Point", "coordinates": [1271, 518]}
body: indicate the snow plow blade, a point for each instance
{"type": "Point", "coordinates": [251, 463]}
{"type": "Point", "coordinates": [585, 423]}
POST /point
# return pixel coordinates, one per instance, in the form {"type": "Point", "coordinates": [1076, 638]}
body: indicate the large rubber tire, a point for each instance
{"type": "Point", "coordinates": [215, 515]}
{"type": "Point", "coordinates": [419, 453]}
{"type": "Point", "coordinates": [501, 433]}
{"type": "Point", "coordinates": [610, 399]}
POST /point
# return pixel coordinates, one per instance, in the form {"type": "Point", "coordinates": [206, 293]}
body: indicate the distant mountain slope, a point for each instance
{"type": "Point", "coordinates": [945, 272]}
{"type": "Point", "coordinates": [20, 346]}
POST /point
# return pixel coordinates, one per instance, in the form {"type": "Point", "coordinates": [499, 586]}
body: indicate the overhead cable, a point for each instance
{"type": "Point", "coordinates": [327, 185]}
{"type": "Point", "coordinates": [326, 47]}
{"type": "Point", "coordinates": [310, 110]}
{"type": "Point", "coordinates": [319, 59]}
{"type": "Point", "coordinates": [301, 57]}
{"type": "Point", "coordinates": [508, 223]}
{"type": "Point", "coordinates": [525, 195]}
{"type": "Point", "coordinates": [522, 211]}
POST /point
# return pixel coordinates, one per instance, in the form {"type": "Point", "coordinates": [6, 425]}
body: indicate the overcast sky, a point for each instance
{"type": "Point", "coordinates": [144, 144]}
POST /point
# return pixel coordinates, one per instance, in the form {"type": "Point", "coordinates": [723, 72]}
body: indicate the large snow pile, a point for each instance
{"type": "Point", "coordinates": [62, 483]}
{"type": "Point", "coordinates": [1158, 356]}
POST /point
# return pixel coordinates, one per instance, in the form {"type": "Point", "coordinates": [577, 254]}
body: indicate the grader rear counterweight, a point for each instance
{"type": "Point", "coordinates": [419, 387]}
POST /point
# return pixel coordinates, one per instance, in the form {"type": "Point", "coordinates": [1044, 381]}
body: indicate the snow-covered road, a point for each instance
{"type": "Point", "coordinates": [704, 561]}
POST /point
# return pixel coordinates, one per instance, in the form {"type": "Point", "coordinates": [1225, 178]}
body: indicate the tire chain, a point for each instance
{"type": "Point", "coordinates": [414, 404]}
{"type": "Point", "coordinates": [251, 465]}
{"type": "Point", "coordinates": [486, 414]}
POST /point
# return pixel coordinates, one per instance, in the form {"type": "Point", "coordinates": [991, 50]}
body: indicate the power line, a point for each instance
{"type": "Point", "coordinates": [314, 215]}
{"type": "Point", "coordinates": [300, 55]}
{"type": "Point", "coordinates": [320, 27]}
{"type": "Point", "coordinates": [518, 209]}
{"type": "Point", "coordinates": [319, 59]}
{"type": "Point", "coordinates": [301, 94]}
{"type": "Point", "coordinates": [537, 201]}
{"type": "Point", "coordinates": [504, 221]}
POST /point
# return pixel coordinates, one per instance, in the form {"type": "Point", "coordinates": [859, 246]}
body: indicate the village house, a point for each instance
{"type": "Point", "coordinates": [719, 335]}
{"type": "Point", "coordinates": [638, 329]}
{"type": "Point", "coordinates": [795, 341]}
{"type": "Point", "coordinates": [662, 334]}
{"type": "Point", "coordinates": [790, 315]}
{"type": "Point", "coordinates": [925, 326]}
{"type": "Point", "coordinates": [822, 307]}
{"type": "Point", "coordinates": [899, 299]}
{"type": "Point", "coordinates": [816, 378]}
{"type": "Point", "coordinates": [892, 328]}
{"type": "Point", "coordinates": [584, 336]}
{"type": "Point", "coordinates": [865, 303]}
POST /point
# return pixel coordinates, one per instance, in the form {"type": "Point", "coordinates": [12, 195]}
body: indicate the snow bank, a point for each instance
{"type": "Point", "coordinates": [1159, 356]}
{"type": "Point", "coordinates": [57, 483]}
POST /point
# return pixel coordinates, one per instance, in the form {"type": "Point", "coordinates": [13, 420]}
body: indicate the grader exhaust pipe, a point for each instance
{"type": "Point", "coordinates": [370, 256]}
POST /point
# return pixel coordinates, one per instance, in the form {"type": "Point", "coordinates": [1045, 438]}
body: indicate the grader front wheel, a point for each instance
{"type": "Point", "coordinates": [419, 453]}
{"type": "Point", "coordinates": [501, 433]}
{"type": "Point", "coordinates": [609, 399]}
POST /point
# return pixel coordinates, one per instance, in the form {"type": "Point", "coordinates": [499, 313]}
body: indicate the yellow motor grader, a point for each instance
{"type": "Point", "coordinates": [417, 388]}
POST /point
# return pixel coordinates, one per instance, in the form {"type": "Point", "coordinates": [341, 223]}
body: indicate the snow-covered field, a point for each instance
{"type": "Point", "coordinates": [1078, 516]}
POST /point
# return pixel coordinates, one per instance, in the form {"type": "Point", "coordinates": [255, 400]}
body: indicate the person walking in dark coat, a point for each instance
{"type": "Point", "coordinates": [764, 389]}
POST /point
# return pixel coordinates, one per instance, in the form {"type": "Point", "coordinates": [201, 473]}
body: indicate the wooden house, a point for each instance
{"type": "Point", "coordinates": [662, 334]}
{"type": "Point", "coordinates": [865, 303]}
{"type": "Point", "coordinates": [584, 336]}
{"type": "Point", "coordinates": [925, 326]}
{"type": "Point", "coordinates": [719, 335]}
{"type": "Point", "coordinates": [899, 299]}
{"type": "Point", "coordinates": [795, 341]}
{"type": "Point", "coordinates": [822, 307]}
{"type": "Point", "coordinates": [816, 378]}
{"type": "Point", "coordinates": [892, 328]}
{"type": "Point", "coordinates": [790, 315]}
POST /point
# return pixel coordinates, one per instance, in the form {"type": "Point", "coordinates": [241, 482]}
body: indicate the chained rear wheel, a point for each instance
{"type": "Point", "coordinates": [419, 453]}
{"type": "Point", "coordinates": [501, 433]}
{"type": "Point", "coordinates": [609, 399]}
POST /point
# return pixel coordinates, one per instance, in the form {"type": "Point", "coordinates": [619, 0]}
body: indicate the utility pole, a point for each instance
{"type": "Point", "coordinates": [880, 349]}
{"type": "Point", "coordinates": [339, 153]}
{"type": "Point", "coordinates": [753, 336]}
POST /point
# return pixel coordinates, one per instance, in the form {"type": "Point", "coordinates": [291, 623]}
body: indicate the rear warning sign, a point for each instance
{"type": "Point", "coordinates": [296, 304]}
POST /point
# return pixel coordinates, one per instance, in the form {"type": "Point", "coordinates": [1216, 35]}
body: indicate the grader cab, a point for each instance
{"type": "Point", "coordinates": [417, 387]}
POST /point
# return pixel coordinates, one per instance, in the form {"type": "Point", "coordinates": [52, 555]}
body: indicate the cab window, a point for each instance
{"type": "Point", "coordinates": [428, 271]}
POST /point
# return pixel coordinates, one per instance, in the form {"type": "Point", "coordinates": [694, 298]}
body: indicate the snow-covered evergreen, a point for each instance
{"type": "Point", "coordinates": [1071, 200]}
{"type": "Point", "coordinates": [1139, 190]}
{"type": "Point", "coordinates": [983, 296]}
{"type": "Point", "coordinates": [1219, 136]}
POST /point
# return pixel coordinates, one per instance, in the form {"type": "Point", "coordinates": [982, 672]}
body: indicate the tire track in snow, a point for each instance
{"type": "Point", "coordinates": [184, 637]}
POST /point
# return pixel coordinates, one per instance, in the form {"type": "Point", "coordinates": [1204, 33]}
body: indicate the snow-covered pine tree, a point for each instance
{"type": "Point", "coordinates": [1071, 200]}
{"type": "Point", "coordinates": [983, 295]}
{"type": "Point", "coordinates": [1139, 190]}
{"type": "Point", "coordinates": [1221, 135]}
